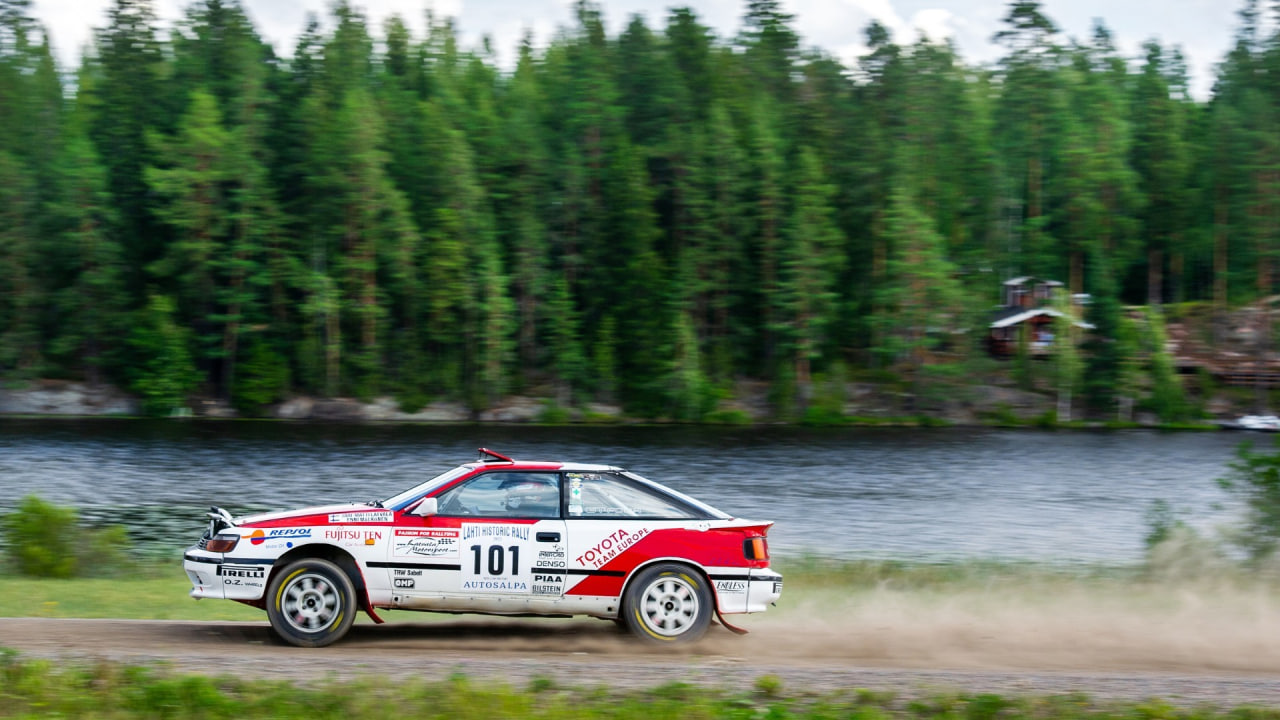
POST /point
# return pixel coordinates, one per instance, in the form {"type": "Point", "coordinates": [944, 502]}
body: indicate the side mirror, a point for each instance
{"type": "Point", "coordinates": [428, 507]}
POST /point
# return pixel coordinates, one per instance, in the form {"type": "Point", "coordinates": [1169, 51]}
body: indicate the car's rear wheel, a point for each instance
{"type": "Point", "coordinates": [668, 604]}
{"type": "Point", "coordinates": [311, 603]}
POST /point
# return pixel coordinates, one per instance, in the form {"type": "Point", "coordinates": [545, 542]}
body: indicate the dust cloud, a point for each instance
{"type": "Point", "coordinates": [1059, 626]}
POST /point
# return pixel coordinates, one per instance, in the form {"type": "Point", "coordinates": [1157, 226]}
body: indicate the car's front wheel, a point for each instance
{"type": "Point", "coordinates": [668, 603]}
{"type": "Point", "coordinates": [311, 603]}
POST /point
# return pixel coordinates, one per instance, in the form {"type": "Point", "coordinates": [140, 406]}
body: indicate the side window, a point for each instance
{"type": "Point", "coordinates": [505, 494]}
{"type": "Point", "coordinates": [605, 495]}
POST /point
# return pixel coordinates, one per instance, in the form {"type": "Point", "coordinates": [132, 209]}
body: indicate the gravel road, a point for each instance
{"type": "Point", "coordinates": [590, 653]}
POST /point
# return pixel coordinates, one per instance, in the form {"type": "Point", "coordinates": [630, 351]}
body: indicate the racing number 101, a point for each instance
{"type": "Point", "coordinates": [497, 559]}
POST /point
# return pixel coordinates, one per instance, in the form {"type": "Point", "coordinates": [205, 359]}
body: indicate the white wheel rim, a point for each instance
{"type": "Point", "coordinates": [310, 602]}
{"type": "Point", "coordinates": [669, 606]}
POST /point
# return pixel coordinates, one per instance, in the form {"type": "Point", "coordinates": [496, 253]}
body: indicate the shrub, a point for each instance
{"type": "Point", "coordinates": [40, 538]}
{"type": "Point", "coordinates": [1255, 478]}
{"type": "Point", "coordinates": [44, 540]}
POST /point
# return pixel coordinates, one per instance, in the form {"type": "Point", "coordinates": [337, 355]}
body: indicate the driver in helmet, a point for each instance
{"type": "Point", "coordinates": [532, 497]}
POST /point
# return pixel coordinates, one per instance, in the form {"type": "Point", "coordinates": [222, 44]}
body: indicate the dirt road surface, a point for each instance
{"type": "Point", "coordinates": [1201, 666]}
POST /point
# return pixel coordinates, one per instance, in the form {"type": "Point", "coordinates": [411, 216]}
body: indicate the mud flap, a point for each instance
{"type": "Point", "coordinates": [731, 628]}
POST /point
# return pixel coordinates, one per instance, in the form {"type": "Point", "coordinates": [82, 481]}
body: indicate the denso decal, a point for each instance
{"type": "Point", "coordinates": [362, 516]}
{"type": "Point", "coordinates": [608, 548]}
{"type": "Point", "coordinates": [257, 537]}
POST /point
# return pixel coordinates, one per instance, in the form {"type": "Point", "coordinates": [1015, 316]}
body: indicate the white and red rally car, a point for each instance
{"type": "Point", "coordinates": [496, 536]}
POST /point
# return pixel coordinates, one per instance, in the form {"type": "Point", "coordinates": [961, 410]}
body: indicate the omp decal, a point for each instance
{"type": "Point", "coordinates": [362, 516]}
{"type": "Point", "coordinates": [401, 582]}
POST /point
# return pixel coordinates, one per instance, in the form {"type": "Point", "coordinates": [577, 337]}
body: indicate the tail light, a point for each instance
{"type": "Point", "coordinates": [223, 543]}
{"type": "Point", "coordinates": [756, 548]}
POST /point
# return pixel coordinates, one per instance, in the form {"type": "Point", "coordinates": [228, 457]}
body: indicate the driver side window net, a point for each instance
{"type": "Point", "coordinates": [605, 495]}
{"type": "Point", "coordinates": [505, 494]}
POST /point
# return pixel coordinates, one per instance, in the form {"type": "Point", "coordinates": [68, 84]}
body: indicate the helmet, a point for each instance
{"type": "Point", "coordinates": [531, 495]}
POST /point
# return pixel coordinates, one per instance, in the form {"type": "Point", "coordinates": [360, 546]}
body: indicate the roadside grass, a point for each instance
{"type": "Point", "coordinates": [159, 590]}
{"type": "Point", "coordinates": [129, 597]}
{"type": "Point", "coordinates": [40, 688]}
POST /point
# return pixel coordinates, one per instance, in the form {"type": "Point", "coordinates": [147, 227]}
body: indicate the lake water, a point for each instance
{"type": "Point", "coordinates": [851, 493]}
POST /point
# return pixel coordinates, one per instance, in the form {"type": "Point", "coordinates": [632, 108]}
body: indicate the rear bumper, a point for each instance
{"type": "Point", "coordinates": [763, 590]}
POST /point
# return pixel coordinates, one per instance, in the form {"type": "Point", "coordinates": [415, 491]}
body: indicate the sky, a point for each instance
{"type": "Point", "coordinates": [1202, 28]}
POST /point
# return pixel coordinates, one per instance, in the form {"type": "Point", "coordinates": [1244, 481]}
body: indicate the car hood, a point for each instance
{"type": "Point", "coordinates": [318, 515]}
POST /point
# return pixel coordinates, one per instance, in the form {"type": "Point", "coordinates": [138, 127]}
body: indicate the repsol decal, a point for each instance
{"type": "Point", "coordinates": [259, 536]}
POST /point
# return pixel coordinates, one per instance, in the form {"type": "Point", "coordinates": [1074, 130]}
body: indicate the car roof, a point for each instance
{"type": "Point", "coordinates": [533, 465]}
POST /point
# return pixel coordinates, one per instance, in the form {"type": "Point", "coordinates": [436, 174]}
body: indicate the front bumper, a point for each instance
{"type": "Point", "coordinates": [213, 575]}
{"type": "Point", "coordinates": [202, 570]}
{"type": "Point", "coordinates": [764, 589]}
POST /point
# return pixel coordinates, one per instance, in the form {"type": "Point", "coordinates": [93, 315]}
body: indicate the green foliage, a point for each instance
{"type": "Point", "coordinates": [166, 375]}
{"type": "Point", "coordinates": [1168, 398]}
{"type": "Point", "coordinates": [262, 379]}
{"type": "Point", "coordinates": [1254, 477]}
{"type": "Point", "coordinates": [631, 219]}
{"type": "Point", "coordinates": [44, 540]}
{"type": "Point", "coordinates": [1161, 522]}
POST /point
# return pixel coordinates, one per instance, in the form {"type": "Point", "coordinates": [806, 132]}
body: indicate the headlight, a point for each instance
{"type": "Point", "coordinates": [225, 542]}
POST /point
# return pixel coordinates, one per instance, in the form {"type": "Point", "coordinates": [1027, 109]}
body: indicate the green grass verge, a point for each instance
{"type": "Point", "coordinates": [160, 592]}
{"type": "Point", "coordinates": [38, 688]}
{"type": "Point", "coordinates": [128, 597]}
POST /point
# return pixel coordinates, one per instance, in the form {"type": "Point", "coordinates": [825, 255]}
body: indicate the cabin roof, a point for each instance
{"type": "Point", "coordinates": [1016, 315]}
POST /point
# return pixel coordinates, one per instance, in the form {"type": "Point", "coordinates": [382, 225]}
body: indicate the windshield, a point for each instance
{"type": "Point", "coordinates": [397, 502]}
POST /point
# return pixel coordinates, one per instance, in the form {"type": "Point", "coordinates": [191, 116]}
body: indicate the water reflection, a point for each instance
{"type": "Point", "coordinates": [1072, 496]}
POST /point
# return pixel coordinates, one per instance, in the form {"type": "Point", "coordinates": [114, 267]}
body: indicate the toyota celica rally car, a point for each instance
{"type": "Point", "coordinates": [497, 536]}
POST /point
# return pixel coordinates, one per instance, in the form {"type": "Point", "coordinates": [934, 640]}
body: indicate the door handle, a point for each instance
{"type": "Point", "coordinates": [548, 537]}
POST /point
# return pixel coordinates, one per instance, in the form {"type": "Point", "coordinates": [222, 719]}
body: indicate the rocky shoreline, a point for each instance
{"type": "Point", "coordinates": [868, 403]}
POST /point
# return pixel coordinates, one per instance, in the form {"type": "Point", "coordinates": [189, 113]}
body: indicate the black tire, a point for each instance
{"type": "Point", "coordinates": [311, 603]}
{"type": "Point", "coordinates": [668, 604]}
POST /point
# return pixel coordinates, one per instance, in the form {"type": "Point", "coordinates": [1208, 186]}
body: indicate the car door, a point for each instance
{"type": "Point", "coordinates": [494, 535]}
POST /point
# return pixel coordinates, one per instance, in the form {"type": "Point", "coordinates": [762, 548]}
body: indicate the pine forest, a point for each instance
{"type": "Point", "coordinates": [646, 219]}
